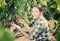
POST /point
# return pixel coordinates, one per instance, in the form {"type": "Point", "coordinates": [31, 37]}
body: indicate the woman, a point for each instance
{"type": "Point", "coordinates": [40, 28]}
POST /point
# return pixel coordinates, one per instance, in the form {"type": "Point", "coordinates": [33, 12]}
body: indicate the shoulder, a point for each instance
{"type": "Point", "coordinates": [43, 21]}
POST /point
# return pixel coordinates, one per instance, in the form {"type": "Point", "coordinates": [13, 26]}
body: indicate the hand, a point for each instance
{"type": "Point", "coordinates": [20, 20]}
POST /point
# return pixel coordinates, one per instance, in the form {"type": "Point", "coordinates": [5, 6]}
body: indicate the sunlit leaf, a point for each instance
{"type": "Point", "coordinates": [6, 35]}
{"type": "Point", "coordinates": [44, 2]}
{"type": "Point", "coordinates": [1, 26]}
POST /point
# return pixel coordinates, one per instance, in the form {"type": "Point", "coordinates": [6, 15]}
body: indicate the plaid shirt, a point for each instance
{"type": "Point", "coordinates": [39, 30]}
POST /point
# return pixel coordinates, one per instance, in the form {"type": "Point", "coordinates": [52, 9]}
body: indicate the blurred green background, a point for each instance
{"type": "Point", "coordinates": [12, 9]}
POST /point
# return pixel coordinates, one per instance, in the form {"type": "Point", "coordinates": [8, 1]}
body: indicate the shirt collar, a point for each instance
{"type": "Point", "coordinates": [40, 18]}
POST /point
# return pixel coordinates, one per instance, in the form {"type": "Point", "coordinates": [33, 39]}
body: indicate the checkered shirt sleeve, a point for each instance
{"type": "Point", "coordinates": [37, 29]}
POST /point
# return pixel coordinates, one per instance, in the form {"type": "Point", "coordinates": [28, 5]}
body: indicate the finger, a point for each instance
{"type": "Point", "coordinates": [21, 19]}
{"type": "Point", "coordinates": [17, 20]}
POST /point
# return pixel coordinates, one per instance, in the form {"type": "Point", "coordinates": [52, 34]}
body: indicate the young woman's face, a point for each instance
{"type": "Point", "coordinates": [35, 12]}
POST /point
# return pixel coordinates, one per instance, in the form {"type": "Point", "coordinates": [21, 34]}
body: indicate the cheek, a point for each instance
{"type": "Point", "coordinates": [32, 14]}
{"type": "Point", "coordinates": [37, 14]}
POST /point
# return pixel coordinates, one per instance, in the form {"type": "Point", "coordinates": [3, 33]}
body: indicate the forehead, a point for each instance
{"type": "Point", "coordinates": [34, 8]}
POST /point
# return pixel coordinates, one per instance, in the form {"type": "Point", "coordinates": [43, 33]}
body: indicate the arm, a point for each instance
{"type": "Point", "coordinates": [21, 30]}
{"type": "Point", "coordinates": [24, 29]}
{"type": "Point", "coordinates": [25, 34]}
{"type": "Point", "coordinates": [23, 22]}
{"type": "Point", "coordinates": [27, 27]}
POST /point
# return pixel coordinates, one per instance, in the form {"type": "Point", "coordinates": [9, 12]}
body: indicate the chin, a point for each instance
{"type": "Point", "coordinates": [35, 18]}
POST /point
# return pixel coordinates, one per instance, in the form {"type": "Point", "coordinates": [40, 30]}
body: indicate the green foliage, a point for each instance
{"type": "Point", "coordinates": [12, 9]}
{"type": "Point", "coordinates": [1, 26]}
{"type": "Point", "coordinates": [5, 34]}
